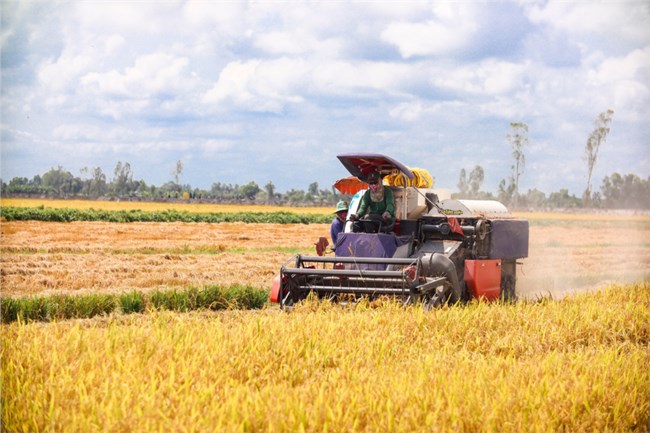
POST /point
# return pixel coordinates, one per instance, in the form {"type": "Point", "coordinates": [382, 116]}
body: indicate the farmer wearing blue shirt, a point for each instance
{"type": "Point", "coordinates": [339, 222]}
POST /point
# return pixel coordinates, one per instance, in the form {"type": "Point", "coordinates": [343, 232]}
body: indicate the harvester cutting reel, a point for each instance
{"type": "Point", "coordinates": [352, 278]}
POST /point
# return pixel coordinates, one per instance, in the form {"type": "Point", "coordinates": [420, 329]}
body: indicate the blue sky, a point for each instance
{"type": "Point", "coordinates": [273, 91]}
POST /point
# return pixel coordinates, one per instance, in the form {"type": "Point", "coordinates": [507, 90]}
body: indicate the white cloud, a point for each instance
{"type": "Point", "coordinates": [214, 147]}
{"type": "Point", "coordinates": [269, 85]}
{"type": "Point", "coordinates": [633, 66]}
{"type": "Point", "coordinates": [97, 136]}
{"type": "Point", "coordinates": [143, 17]}
{"type": "Point", "coordinates": [624, 83]}
{"type": "Point", "coordinates": [389, 9]}
{"type": "Point", "coordinates": [614, 24]}
{"type": "Point", "coordinates": [340, 77]}
{"type": "Point", "coordinates": [257, 85]}
{"type": "Point", "coordinates": [298, 42]}
{"type": "Point", "coordinates": [113, 43]}
{"type": "Point", "coordinates": [225, 17]}
{"type": "Point", "coordinates": [77, 132]}
{"type": "Point", "coordinates": [62, 74]}
{"type": "Point", "coordinates": [485, 78]}
{"type": "Point", "coordinates": [451, 29]}
{"type": "Point", "coordinates": [151, 74]}
{"type": "Point", "coordinates": [408, 111]}
{"type": "Point", "coordinates": [5, 35]}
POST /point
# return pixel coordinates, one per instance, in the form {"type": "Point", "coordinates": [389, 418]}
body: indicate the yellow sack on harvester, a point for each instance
{"type": "Point", "coordinates": [421, 179]}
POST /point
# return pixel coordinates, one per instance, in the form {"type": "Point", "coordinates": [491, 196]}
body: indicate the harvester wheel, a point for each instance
{"type": "Point", "coordinates": [433, 301]}
{"type": "Point", "coordinates": [439, 296]}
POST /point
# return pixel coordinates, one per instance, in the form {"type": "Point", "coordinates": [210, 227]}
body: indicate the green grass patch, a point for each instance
{"type": "Point", "coordinates": [126, 216]}
{"type": "Point", "coordinates": [132, 302]}
{"type": "Point", "coordinates": [61, 307]}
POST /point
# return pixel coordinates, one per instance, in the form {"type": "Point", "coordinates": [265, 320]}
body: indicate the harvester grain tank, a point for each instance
{"type": "Point", "coordinates": [440, 250]}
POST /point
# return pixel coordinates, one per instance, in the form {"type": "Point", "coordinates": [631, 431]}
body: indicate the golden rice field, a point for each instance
{"type": "Point", "coordinates": [157, 206]}
{"type": "Point", "coordinates": [578, 363]}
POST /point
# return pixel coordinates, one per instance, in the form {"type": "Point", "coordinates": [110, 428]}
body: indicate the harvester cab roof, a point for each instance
{"type": "Point", "coordinates": [360, 164]}
{"type": "Point", "coordinates": [441, 250]}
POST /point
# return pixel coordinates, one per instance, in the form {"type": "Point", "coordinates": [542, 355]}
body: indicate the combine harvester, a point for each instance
{"type": "Point", "coordinates": [439, 251]}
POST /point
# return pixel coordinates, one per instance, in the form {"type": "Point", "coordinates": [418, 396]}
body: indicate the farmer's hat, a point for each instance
{"type": "Point", "coordinates": [341, 206]}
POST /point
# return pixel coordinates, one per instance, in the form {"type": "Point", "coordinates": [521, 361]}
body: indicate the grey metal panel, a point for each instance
{"type": "Point", "coordinates": [472, 209]}
{"type": "Point", "coordinates": [508, 239]}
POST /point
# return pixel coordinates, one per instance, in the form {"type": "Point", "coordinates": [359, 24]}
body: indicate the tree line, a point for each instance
{"type": "Point", "coordinates": [627, 191]}
{"type": "Point", "coordinates": [94, 184]}
{"type": "Point", "coordinates": [617, 191]}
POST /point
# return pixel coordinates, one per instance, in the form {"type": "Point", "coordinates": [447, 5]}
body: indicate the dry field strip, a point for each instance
{"type": "Point", "coordinates": [568, 254]}
{"type": "Point", "coordinates": [95, 256]}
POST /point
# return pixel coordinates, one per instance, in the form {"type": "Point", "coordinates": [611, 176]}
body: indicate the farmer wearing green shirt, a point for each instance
{"type": "Point", "coordinates": [377, 203]}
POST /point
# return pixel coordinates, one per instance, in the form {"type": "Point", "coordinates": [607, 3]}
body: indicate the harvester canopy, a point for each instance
{"type": "Point", "coordinates": [394, 172]}
{"type": "Point", "coordinates": [360, 164]}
